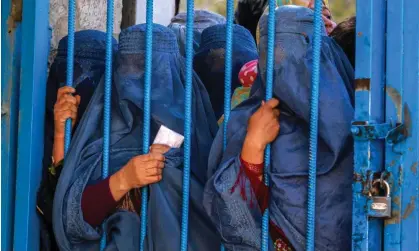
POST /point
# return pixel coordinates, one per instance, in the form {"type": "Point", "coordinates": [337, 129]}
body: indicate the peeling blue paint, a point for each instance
{"type": "Point", "coordinates": [370, 65]}
{"type": "Point", "coordinates": [409, 201]}
{"type": "Point", "coordinates": [394, 97]}
{"type": "Point", "coordinates": [401, 231]}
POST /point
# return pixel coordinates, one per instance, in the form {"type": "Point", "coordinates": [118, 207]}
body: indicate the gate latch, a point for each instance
{"type": "Point", "coordinates": [364, 131]}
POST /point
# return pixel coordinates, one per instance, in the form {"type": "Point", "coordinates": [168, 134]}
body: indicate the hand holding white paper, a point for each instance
{"type": "Point", "coordinates": [165, 136]}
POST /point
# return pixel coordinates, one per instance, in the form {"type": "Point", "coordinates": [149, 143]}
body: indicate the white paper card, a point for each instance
{"type": "Point", "coordinates": [165, 136]}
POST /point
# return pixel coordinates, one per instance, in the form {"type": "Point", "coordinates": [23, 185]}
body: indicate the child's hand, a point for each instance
{"type": "Point", "coordinates": [263, 128]}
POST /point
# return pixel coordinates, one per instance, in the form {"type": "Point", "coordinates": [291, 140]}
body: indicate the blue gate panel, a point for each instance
{"type": "Point", "coordinates": [410, 181]}
{"type": "Point", "coordinates": [369, 99]}
{"type": "Point", "coordinates": [35, 49]}
{"type": "Point", "coordinates": [394, 107]}
{"type": "Point", "coordinates": [402, 106]}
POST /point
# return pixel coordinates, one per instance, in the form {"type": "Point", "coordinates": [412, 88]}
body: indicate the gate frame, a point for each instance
{"type": "Point", "coordinates": [33, 77]}
{"type": "Point", "coordinates": [402, 106]}
{"type": "Point", "coordinates": [11, 15]}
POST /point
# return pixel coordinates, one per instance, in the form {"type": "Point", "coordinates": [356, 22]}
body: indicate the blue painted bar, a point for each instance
{"type": "Point", "coordinates": [314, 115]}
{"type": "Point", "coordinates": [35, 49]}
{"type": "Point", "coordinates": [107, 99]}
{"type": "Point", "coordinates": [108, 88]}
{"type": "Point", "coordinates": [228, 67]}
{"type": "Point", "coordinates": [270, 61]}
{"type": "Point", "coordinates": [10, 80]}
{"type": "Point", "coordinates": [147, 114]}
{"type": "Point", "coordinates": [187, 126]}
{"type": "Point", "coordinates": [394, 108]}
{"type": "Point", "coordinates": [71, 23]}
{"type": "Point", "coordinates": [369, 98]}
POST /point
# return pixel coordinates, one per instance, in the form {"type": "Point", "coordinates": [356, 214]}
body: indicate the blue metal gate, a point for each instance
{"type": "Point", "coordinates": [401, 232]}
{"type": "Point", "coordinates": [386, 125]}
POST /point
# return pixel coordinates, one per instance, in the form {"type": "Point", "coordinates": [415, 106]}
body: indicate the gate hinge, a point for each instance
{"type": "Point", "coordinates": [392, 134]}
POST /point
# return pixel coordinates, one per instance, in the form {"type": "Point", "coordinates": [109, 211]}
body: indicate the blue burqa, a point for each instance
{"type": "Point", "coordinates": [202, 20]}
{"type": "Point", "coordinates": [83, 163]}
{"type": "Point", "coordinates": [209, 60]}
{"type": "Point", "coordinates": [239, 223]}
{"type": "Point", "coordinates": [89, 66]}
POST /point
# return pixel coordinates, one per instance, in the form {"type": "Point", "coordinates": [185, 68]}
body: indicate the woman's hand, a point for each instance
{"type": "Point", "coordinates": [66, 107]}
{"type": "Point", "coordinates": [158, 148]}
{"type": "Point", "coordinates": [140, 171]}
{"type": "Point", "coordinates": [263, 128]}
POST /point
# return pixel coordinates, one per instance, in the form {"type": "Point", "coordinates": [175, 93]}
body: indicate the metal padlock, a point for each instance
{"type": "Point", "coordinates": [380, 206]}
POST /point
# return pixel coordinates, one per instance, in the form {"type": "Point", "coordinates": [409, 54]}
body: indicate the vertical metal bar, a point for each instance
{"type": "Point", "coordinates": [362, 102]}
{"type": "Point", "coordinates": [107, 99]}
{"type": "Point", "coordinates": [314, 113]}
{"type": "Point", "coordinates": [147, 99]}
{"type": "Point", "coordinates": [70, 65]}
{"type": "Point", "coordinates": [33, 75]}
{"type": "Point", "coordinates": [228, 71]}
{"type": "Point", "coordinates": [228, 67]}
{"type": "Point", "coordinates": [187, 126]}
{"type": "Point", "coordinates": [369, 99]}
{"type": "Point", "coordinates": [394, 108]}
{"type": "Point", "coordinates": [268, 95]}
{"type": "Point", "coordinates": [10, 80]}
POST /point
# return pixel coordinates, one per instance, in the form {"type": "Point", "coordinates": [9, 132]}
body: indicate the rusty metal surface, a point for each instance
{"type": "Point", "coordinates": [369, 99]}
{"type": "Point", "coordinates": [362, 84]}
{"type": "Point", "coordinates": [401, 106]}
{"type": "Point", "coordinates": [402, 230]}
{"type": "Point", "coordinates": [391, 133]}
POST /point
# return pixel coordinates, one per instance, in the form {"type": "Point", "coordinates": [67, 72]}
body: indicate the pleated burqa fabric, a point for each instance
{"type": "Point", "coordinates": [238, 222]}
{"type": "Point", "coordinates": [83, 163]}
